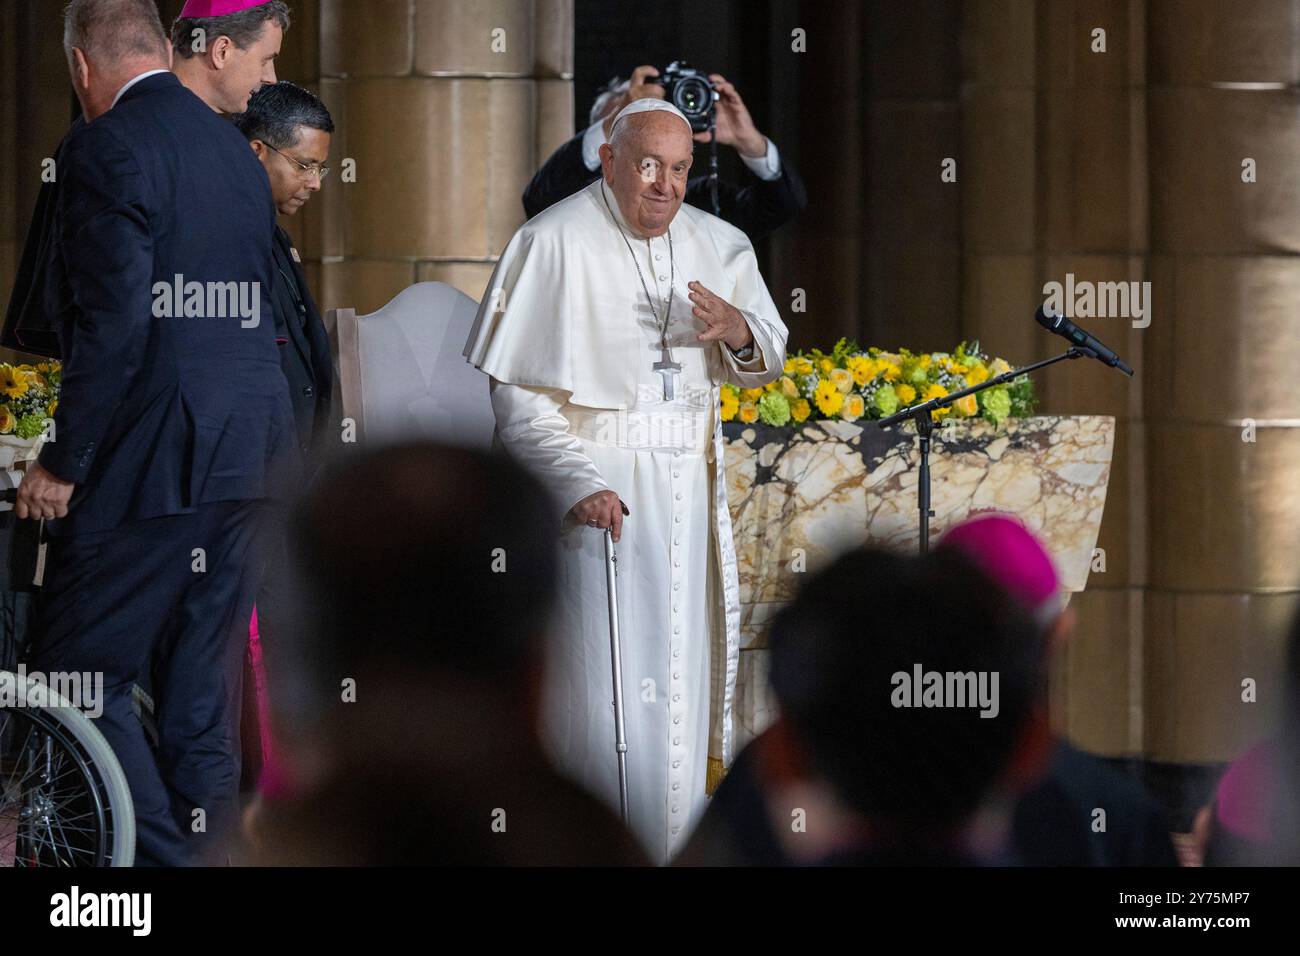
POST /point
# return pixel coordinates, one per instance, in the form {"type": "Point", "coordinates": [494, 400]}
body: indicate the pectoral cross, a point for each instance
{"type": "Point", "coordinates": [667, 368]}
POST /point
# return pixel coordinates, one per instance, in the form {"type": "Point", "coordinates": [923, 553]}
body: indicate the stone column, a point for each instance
{"type": "Point", "coordinates": [912, 292]}
{"type": "Point", "coordinates": [1053, 182]}
{"type": "Point", "coordinates": [1223, 409]}
{"type": "Point", "coordinates": [446, 107]}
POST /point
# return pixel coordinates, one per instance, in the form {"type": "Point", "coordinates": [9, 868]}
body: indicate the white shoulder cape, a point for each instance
{"type": "Point", "coordinates": [545, 320]}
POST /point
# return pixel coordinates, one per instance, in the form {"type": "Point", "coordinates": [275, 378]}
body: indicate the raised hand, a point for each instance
{"type": "Point", "coordinates": [725, 322]}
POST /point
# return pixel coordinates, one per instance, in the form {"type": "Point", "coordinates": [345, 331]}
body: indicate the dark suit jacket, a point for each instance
{"type": "Point", "coordinates": [756, 209]}
{"type": "Point", "coordinates": [304, 355]}
{"type": "Point", "coordinates": [1052, 825]}
{"type": "Point", "coordinates": [158, 415]}
{"type": "Point", "coordinates": [28, 328]}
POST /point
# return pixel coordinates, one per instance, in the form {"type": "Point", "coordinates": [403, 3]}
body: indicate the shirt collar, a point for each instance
{"type": "Point", "coordinates": [132, 82]}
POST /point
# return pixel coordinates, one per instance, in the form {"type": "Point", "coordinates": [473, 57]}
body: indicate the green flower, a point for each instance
{"type": "Point", "coordinates": [774, 408]}
{"type": "Point", "coordinates": [996, 403]}
{"type": "Point", "coordinates": [886, 400]}
{"type": "Point", "coordinates": [1023, 400]}
{"type": "Point", "coordinates": [29, 426]}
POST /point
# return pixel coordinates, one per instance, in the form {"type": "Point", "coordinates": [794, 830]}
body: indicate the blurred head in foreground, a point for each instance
{"type": "Point", "coordinates": [426, 577]}
{"type": "Point", "coordinates": [911, 686]}
{"type": "Point", "coordinates": [1053, 822]}
{"type": "Point", "coordinates": [1254, 817]}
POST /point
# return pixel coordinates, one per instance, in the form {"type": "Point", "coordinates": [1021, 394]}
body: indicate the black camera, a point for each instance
{"type": "Point", "coordinates": [691, 92]}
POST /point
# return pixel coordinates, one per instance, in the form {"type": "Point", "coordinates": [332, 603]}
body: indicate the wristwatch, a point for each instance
{"type": "Point", "coordinates": [744, 354]}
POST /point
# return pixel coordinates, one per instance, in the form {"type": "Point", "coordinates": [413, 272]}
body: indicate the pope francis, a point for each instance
{"type": "Point", "coordinates": [609, 324]}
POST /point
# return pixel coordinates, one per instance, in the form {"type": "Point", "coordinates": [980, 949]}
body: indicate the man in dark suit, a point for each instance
{"type": "Point", "coordinates": [239, 51]}
{"type": "Point", "coordinates": [774, 196]}
{"type": "Point", "coordinates": [289, 129]}
{"type": "Point", "coordinates": [173, 424]}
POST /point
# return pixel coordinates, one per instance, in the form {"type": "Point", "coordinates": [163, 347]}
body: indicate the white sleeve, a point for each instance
{"type": "Point", "coordinates": [754, 371]}
{"type": "Point", "coordinates": [766, 167]}
{"type": "Point", "coordinates": [592, 140]}
{"type": "Point", "coordinates": [533, 431]}
{"type": "Point", "coordinates": [755, 303]}
{"type": "Point", "coordinates": [752, 364]}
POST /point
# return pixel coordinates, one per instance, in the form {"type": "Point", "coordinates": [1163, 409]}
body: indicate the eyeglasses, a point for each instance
{"type": "Point", "coordinates": [320, 172]}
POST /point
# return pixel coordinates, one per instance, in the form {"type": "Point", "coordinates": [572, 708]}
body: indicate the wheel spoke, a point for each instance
{"type": "Point", "coordinates": [53, 807]}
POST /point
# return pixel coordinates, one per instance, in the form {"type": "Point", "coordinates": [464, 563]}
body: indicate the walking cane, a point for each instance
{"type": "Point", "coordinates": [620, 743]}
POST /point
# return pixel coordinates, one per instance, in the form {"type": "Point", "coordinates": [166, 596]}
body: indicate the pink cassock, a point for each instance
{"type": "Point", "coordinates": [272, 781]}
{"type": "Point", "coordinates": [217, 8]}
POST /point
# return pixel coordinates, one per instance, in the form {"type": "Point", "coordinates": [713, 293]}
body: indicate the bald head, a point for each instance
{"type": "Point", "coordinates": [108, 42]}
{"type": "Point", "coordinates": [646, 165]}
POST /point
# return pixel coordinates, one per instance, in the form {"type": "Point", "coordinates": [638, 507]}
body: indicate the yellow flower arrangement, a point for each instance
{"type": "Point", "coordinates": [851, 383]}
{"type": "Point", "coordinates": [31, 396]}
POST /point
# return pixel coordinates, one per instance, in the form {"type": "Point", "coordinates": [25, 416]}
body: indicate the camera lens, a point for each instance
{"type": "Point", "coordinates": [693, 97]}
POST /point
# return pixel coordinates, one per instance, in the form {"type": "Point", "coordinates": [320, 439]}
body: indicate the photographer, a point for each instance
{"type": "Point", "coordinates": [773, 198]}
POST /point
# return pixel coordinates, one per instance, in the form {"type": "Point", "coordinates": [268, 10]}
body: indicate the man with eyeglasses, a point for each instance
{"type": "Point", "coordinates": [289, 129]}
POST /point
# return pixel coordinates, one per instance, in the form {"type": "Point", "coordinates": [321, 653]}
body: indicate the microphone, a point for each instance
{"type": "Point", "coordinates": [1076, 336]}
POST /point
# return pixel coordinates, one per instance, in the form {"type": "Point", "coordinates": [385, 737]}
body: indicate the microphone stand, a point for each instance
{"type": "Point", "coordinates": [921, 414]}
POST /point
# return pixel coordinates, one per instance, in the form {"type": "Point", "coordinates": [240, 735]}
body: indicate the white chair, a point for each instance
{"type": "Point", "coordinates": [402, 374]}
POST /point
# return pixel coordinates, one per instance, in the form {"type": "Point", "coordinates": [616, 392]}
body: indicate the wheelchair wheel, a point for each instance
{"type": "Point", "coordinates": [64, 800]}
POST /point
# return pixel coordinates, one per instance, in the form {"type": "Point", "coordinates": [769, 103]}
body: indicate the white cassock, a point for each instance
{"type": "Point", "coordinates": [567, 335]}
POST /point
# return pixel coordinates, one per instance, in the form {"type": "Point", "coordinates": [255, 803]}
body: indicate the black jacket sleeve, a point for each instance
{"type": "Point", "coordinates": [757, 209]}
{"type": "Point", "coordinates": [106, 254]}
{"type": "Point", "coordinates": [28, 327]}
{"type": "Point", "coordinates": [559, 178]}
